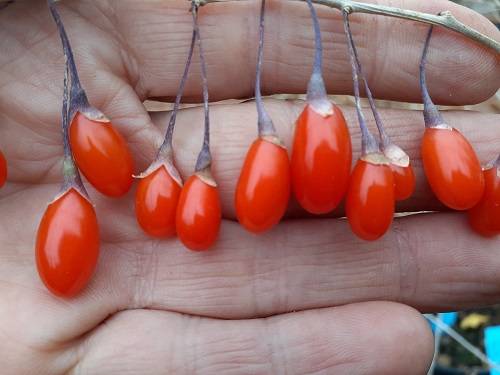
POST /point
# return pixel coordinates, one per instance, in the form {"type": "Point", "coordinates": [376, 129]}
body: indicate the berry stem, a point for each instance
{"type": "Point", "coordinates": [494, 163]}
{"type": "Point", "coordinates": [265, 124]}
{"type": "Point", "coordinates": [384, 138]}
{"type": "Point", "coordinates": [167, 142]}
{"type": "Point", "coordinates": [77, 97]}
{"type": "Point", "coordinates": [368, 142]}
{"type": "Point", "coordinates": [204, 158]}
{"type": "Point", "coordinates": [316, 91]}
{"type": "Point", "coordinates": [432, 117]}
{"type": "Point", "coordinates": [70, 174]}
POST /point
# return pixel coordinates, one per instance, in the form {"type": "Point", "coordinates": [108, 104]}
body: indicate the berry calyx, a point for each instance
{"type": "Point", "coordinates": [402, 170]}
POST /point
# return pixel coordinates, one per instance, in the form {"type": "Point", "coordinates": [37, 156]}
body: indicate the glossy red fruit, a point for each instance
{"type": "Point", "coordinates": [370, 200]}
{"type": "Point", "coordinates": [3, 169]}
{"type": "Point", "coordinates": [67, 244]}
{"type": "Point", "coordinates": [199, 215]}
{"type": "Point", "coordinates": [264, 187]}
{"type": "Point", "coordinates": [156, 200]}
{"type": "Point", "coordinates": [452, 168]}
{"type": "Point", "coordinates": [484, 217]}
{"type": "Point", "coordinates": [404, 181]}
{"type": "Point", "coordinates": [321, 160]}
{"type": "Point", "coordinates": [102, 155]}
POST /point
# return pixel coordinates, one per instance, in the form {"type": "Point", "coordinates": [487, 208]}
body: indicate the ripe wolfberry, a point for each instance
{"type": "Point", "coordinates": [102, 155]}
{"type": "Point", "coordinates": [452, 168]}
{"type": "Point", "coordinates": [3, 169]}
{"type": "Point", "coordinates": [67, 244]}
{"type": "Point", "coordinates": [263, 189]}
{"type": "Point", "coordinates": [370, 198]}
{"type": "Point", "coordinates": [404, 181]}
{"type": "Point", "coordinates": [156, 200]}
{"type": "Point", "coordinates": [199, 215]}
{"type": "Point", "coordinates": [484, 217]}
{"type": "Point", "coordinates": [321, 160]}
{"type": "Point", "coordinates": [450, 163]}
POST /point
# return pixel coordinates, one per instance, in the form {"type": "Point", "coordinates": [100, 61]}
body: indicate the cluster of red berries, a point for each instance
{"type": "Point", "coordinates": [318, 172]}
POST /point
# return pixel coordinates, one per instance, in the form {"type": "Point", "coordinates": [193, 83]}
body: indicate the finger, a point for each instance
{"type": "Point", "coordinates": [459, 71]}
{"type": "Point", "coordinates": [146, 44]}
{"type": "Point", "coordinates": [366, 338]}
{"type": "Point", "coordinates": [234, 129]}
{"type": "Point", "coordinates": [424, 261]}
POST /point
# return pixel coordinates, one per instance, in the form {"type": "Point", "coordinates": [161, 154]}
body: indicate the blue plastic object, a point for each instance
{"type": "Point", "coordinates": [492, 345]}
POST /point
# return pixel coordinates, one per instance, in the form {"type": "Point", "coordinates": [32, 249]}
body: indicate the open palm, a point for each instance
{"type": "Point", "coordinates": [305, 297]}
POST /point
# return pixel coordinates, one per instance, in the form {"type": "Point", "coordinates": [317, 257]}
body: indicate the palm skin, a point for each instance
{"type": "Point", "coordinates": [308, 297]}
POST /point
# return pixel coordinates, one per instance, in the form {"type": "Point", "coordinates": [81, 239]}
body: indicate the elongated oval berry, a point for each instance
{"type": "Point", "coordinates": [484, 217]}
{"type": "Point", "coordinates": [102, 155]}
{"type": "Point", "coordinates": [199, 215]}
{"type": "Point", "coordinates": [3, 169]}
{"type": "Point", "coordinates": [321, 160]}
{"type": "Point", "coordinates": [452, 168]}
{"type": "Point", "coordinates": [156, 200]}
{"type": "Point", "coordinates": [404, 181]}
{"type": "Point", "coordinates": [67, 244]}
{"type": "Point", "coordinates": [264, 186]}
{"type": "Point", "coordinates": [370, 200]}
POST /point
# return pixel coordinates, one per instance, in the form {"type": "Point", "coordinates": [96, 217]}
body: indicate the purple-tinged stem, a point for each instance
{"type": "Point", "coordinates": [70, 174]}
{"type": "Point", "coordinates": [167, 143]}
{"type": "Point", "coordinates": [494, 163]}
{"type": "Point", "coordinates": [369, 144]}
{"type": "Point", "coordinates": [316, 91]}
{"type": "Point", "coordinates": [77, 98]}
{"type": "Point", "coordinates": [383, 135]}
{"type": "Point", "coordinates": [204, 158]}
{"type": "Point", "coordinates": [432, 117]}
{"type": "Point", "coordinates": [265, 124]}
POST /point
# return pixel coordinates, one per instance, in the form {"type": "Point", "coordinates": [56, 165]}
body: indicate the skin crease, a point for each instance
{"type": "Point", "coordinates": [306, 297]}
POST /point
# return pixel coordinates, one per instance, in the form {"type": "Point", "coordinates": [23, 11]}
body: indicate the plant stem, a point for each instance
{"type": "Point", "coordinates": [77, 98]}
{"type": "Point", "coordinates": [444, 19]}
{"type": "Point", "coordinates": [70, 175]}
{"type": "Point", "coordinates": [368, 142]}
{"type": "Point", "coordinates": [432, 117]}
{"type": "Point", "coordinates": [167, 142]}
{"type": "Point", "coordinates": [204, 158]}
{"type": "Point", "coordinates": [265, 124]}
{"type": "Point", "coordinates": [316, 91]}
{"type": "Point", "coordinates": [384, 138]}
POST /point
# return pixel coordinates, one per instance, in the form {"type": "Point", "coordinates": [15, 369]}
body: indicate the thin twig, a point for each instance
{"type": "Point", "coordinates": [444, 19]}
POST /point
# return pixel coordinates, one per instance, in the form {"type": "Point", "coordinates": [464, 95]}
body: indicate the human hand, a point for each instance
{"type": "Point", "coordinates": [305, 297]}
